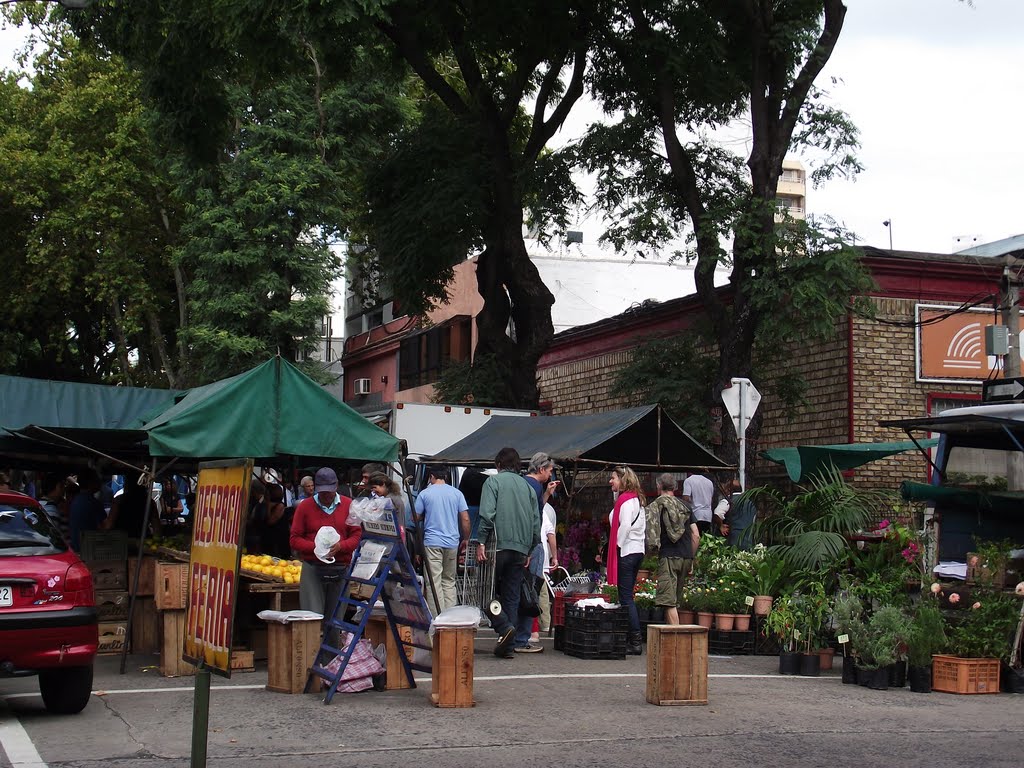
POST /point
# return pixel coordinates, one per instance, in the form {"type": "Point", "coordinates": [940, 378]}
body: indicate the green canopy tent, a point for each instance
{"type": "Point", "coordinates": [803, 461]}
{"type": "Point", "coordinates": [269, 412]}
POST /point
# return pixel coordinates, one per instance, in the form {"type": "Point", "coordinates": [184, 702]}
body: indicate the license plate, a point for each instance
{"type": "Point", "coordinates": [6, 596]}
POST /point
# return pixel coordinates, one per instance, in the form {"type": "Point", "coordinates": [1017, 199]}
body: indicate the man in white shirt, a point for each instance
{"type": "Point", "coordinates": [698, 492]}
{"type": "Point", "coordinates": [547, 540]}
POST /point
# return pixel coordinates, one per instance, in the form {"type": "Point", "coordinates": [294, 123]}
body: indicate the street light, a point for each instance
{"type": "Point", "coordinates": [888, 225]}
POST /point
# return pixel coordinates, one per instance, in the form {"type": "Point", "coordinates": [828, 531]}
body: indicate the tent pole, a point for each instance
{"type": "Point", "coordinates": [90, 450]}
{"type": "Point", "coordinates": [138, 562]}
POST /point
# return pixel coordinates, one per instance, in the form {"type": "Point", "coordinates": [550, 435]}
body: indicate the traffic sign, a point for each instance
{"type": "Point", "coordinates": [1001, 390]}
{"type": "Point", "coordinates": [742, 392]}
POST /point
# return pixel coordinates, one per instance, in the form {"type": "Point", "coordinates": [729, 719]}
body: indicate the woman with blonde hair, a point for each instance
{"type": "Point", "coordinates": [626, 546]}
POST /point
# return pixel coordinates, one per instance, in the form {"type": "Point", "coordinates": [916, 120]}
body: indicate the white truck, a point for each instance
{"type": "Point", "coordinates": [427, 428]}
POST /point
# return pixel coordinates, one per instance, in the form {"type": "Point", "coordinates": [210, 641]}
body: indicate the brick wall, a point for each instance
{"type": "Point", "coordinates": [583, 386]}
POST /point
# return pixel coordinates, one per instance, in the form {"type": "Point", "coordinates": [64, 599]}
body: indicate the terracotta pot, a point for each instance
{"type": "Point", "coordinates": [742, 623]}
{"type": "Point", "coordinates": [762, 605]}
{"type": "Point", "coordinates": [705, 619]}
{"type": "Point", "coordinates": [826, 655]}
{"type": "Point", "coordinates": [724, 621]}
{"type": "Point", "coordinates": [687, 617]}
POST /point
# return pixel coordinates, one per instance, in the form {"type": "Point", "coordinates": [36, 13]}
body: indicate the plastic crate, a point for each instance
{"type": "Point", "coordinates": [593, 618]}
{"type": "Point", "coordinates": [104, 545]}
{"type": "Point", "coordinates": [561, 601]}
{"type": "Point", "coordinates": [595, 645]}
{"type": "Point", "coordinates": [952, 674]}
{"type": "Point", "coordinates": [559, 638]}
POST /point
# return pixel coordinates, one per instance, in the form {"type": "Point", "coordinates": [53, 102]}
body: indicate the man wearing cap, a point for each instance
{"type": "Point", "coordinates": [444, 514]}
{"type": "Point", "coordinates": [320, 583]}
{"type": "Point", "coordinates": [538, 476]}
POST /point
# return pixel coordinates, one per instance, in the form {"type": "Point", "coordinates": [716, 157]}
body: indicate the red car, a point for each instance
{"type": "Point", "coordinates": [47, 607]}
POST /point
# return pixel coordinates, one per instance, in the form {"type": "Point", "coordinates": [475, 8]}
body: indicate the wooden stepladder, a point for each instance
{"type": "Point", "coordinates": [381, 569]}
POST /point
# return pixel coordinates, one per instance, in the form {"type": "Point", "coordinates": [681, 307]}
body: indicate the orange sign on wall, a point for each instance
{"type": "Point", "coordinates": [222, 502]}
{"type": "Point", "coordinates": [951, 347]}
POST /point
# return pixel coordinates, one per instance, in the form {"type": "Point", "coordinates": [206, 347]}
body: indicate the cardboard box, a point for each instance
{"type": "Point", "coordinates": [108, 575]}
{"type": "Point", "coordinates": [112, 637]}
{"type": "Point", "coordinates": [112, 605]}
{"type": "Point", "coordinates": [171, 588]}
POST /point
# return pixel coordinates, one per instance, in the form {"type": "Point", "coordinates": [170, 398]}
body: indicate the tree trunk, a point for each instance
{"type": "Point", "coordinates": [120, 341]}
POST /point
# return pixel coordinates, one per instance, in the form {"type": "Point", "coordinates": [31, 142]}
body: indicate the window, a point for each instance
{"type": "Point", "coordinates": [422, 357]}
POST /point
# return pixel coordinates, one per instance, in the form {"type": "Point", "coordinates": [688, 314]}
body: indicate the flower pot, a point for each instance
{"type": "Point", "coordinates": [898, 674]}
{"type": "Point", "coordinates": [920, 679]}
{"type": "Point", "coordinates": [849, 670]}
{"type": "Point", "coordinates": [687, 617]}
{"type": "Point", "coordinates": [864, 675]}
{"type": "Point", "coordinates": [724, 621]}
{"type": "Point", "coordinates": [810, 664]}
{"type": "Point", "coordinates": [1011, 678]}
{"type": "Point", "coordinates": [642, 574]}
{"type": "Point", "coordinates": [762, 605]}
{"type": "Point", "coordinates": [705, 619]}
{"type": "Point", "coordinates": [657, 615]}
{"type": "Point", "coordinates": [878, 679]}
{"type": "Point", "coordinates": [789, 663]}
{"type": "Point", "coordinates": [825, 656]}
{"type": "Point", "coordinates": [742, 623]}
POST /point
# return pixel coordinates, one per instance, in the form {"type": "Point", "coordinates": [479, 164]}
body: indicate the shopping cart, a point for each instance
{"type": "Point", "coordinates": [475, 581]}
{"type": "Point", "coordinates": [559, 581]}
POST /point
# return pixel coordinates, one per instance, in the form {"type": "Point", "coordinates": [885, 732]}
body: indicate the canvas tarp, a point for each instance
{"type": "Point", "coordinates": [803, 461]}
{"type": "Point", "coordinates": [271, 411]}
{"type": "Point", "coordinates": [641, 437]}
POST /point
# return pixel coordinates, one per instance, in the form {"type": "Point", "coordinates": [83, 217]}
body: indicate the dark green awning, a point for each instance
{"type": "Point", "coordinates": [805, 460]}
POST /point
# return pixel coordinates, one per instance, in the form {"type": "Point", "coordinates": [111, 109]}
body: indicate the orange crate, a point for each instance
{"type": "Point", "coordinates": [171, 588]}
{"type": "Point", "coordinates": [952, 674]}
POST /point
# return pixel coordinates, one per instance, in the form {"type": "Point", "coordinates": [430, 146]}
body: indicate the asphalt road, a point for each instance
{"type": "Point", "coordinates": [533, 710]}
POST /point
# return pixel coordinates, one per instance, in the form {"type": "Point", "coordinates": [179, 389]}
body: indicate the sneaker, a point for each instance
{"type": "Point", "coordinates": [505, 641]}
{"type": "Point", "coordinates": [530, 648]}
{"type": "Point", "coordinates": [535, 637]}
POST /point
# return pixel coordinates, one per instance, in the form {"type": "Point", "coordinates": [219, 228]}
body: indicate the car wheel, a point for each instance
{"type": "Point", "coordinates": [66, 691]}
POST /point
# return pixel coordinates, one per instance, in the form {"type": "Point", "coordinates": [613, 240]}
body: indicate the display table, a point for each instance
{"type": "Point", "coordinates": [283, 597]}
{"type": "Point", "coordinates": [677, 664]}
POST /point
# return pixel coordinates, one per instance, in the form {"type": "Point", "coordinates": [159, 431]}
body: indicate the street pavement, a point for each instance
{"type": "Point", "coordinates": [534, 710]}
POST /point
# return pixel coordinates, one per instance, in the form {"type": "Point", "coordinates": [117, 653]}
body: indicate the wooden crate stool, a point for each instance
{"type": "Point", "coordinates": [146, 634]}
{"type": "Point", "coordinates": [377, 632]}
{"type": "Point", "coordinates": [677, 664]}
{"type": "Point", "coordinates": [291, 649]}
{"type": "Point", "coordinates": [171, 644]}
{"type": "Point", "coordinates": [452, 668]}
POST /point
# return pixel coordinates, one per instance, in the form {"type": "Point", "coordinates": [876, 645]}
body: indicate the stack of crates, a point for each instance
{"type": "Point", "coordinates": [593, 632]}
{"type": "Point", "coordinates": [106, 555]}
{"type": "Point", "coordinates": [558, 614]}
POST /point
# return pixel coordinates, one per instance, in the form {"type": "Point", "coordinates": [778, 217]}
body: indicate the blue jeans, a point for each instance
{"type": "Point", "coordinates": [628, 567]}
{"type": "Point", "coordinates": [524, 627]}
{"type": "Point", "coordinates": [508, 584]}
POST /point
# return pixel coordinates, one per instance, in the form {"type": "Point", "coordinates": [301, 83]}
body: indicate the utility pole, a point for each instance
{"type": "Point", "coordinates": [1010, 302]}
{"type": "Point", "coordinates": [888, 225]}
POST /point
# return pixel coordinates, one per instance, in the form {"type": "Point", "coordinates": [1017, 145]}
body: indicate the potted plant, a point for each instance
{"type": "Point", "coordinates": [611, 592]}
{"type": "Point", "coordinates": [765, 581]}
{"type": "Point", "coordinates": [648, 566]}
{"type": "Point", "coordinates": [987, 564]}
{"type": "Point", "coordinates": [887, 630]}
{"type": "Point", "coordinates": [781, 622]}
{"type": "Point", "coordinates": [687, 614]}
{"type": "Point", "coordinates": [701, 602]}
{"type": "Point", "coordinates": [927, 637]}
{"type": "Point", "coordinates": [848, 612]}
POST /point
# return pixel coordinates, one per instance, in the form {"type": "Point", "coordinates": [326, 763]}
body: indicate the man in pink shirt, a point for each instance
{"type": "Point", "coordinates": [320, 583]}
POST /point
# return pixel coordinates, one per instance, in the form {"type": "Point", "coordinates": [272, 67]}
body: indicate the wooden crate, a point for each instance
{"type": "Point", "coordinates": [291, 650]}
{"type": "Point", "coordinates": [242, 660]}
{"type": "Point", "coordinates": [377, 632]}
{"type": "Point", "coordinates": [145, 626]}
{"type": "Point", "coordinates": [147, 576]}
{"type": "Point", "coordinates": [677, 664]}
{"type": "Point", "coordinates": [111, 605]}
{"type": "Point", "coordinates": [112, 636]}
{"type": "Point", "coordinates": [104, 545]}
{"type": "Point", "coordinates": [172, 641]}
{"type": "Point", "coordinates": [108, 574]}
{"type": "Point", "coordinates": [452, 669]}
{"type": "Point", "coordinates": [952, 674]}
{"type": "Point", "coordinates": [171, 588]}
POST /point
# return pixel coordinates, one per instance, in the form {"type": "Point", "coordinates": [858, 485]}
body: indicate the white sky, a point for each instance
{"type": "Point", "coordinates": [937, 90]}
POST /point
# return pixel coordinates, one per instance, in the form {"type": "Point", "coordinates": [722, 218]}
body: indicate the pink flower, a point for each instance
{"type": "Point", "coordinates": [954, 598]}
{"type": "Point", "coordinates": [936, 587]}
{"type": "Point", "coordinates": [884, 524]}
{"type": "Point", "coordinates": [976, 606]}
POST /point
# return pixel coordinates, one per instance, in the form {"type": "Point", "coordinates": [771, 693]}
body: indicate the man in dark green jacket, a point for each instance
{"type": "Point", "coordinates": [508, 511]}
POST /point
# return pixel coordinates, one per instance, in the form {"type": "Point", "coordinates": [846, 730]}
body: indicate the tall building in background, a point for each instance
{"type": "Point", "coordinates": [791, 192]}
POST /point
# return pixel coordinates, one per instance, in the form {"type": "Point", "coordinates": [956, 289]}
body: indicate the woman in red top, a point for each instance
{"type": "Point", "coordinates": [320, 583]}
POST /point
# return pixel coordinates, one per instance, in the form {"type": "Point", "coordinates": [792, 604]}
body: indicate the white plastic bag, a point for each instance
{"type": "Point", "coordinates": [457, 616]}
{"type": "Point", "coordinates": [326, 538]}
{"type": "Point", "coordinates": [365, 509]}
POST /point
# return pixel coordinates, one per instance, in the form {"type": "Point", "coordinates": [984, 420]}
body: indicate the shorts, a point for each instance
{"type": "Point", "coordinates": [672, 575]}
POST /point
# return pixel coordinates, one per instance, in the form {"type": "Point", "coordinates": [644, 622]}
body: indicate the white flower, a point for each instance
{"type": "Point", "coordinates": [1020, 589]}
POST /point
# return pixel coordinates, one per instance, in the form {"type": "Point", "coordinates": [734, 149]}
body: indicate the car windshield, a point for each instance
{"type": "Point", "coordinates": [28, 531]}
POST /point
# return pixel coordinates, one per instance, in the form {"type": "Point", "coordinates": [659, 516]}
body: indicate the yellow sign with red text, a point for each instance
{"type": "Point", "coordinates": [221, 507]}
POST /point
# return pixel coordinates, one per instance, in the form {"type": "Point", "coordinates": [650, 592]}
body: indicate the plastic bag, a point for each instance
{"type": "Point", "coordinates": [457, 616]}
{"type": "Point", "coordinates": [287, 617]}
{"type": "Point", "coordinates": [325, 538]}
{"type": "Point", "coordinates": [365, 509]}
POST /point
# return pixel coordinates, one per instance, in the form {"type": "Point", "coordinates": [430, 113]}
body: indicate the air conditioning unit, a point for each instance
{"type": "Point", "coordinates": [362, 386]}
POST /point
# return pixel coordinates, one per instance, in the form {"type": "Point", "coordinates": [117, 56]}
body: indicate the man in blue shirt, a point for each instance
{"type": "Point", "coordinates": [445, 518]}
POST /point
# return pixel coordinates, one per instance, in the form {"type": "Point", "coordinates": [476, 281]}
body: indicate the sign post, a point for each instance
{"type": "Point", "coordinates": [741, 399]}
{"type": "Point", "coordinates": [222, 503]}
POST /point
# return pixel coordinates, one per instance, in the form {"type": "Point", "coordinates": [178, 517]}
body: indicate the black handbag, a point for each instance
{"type": "Point", "coordinates": [529, 602]}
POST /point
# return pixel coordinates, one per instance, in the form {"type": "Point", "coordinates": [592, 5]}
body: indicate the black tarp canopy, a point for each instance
{"type": "Point", "coordinates": [642, 437]}
{"type": "Point", "coordinates": [997, 431]}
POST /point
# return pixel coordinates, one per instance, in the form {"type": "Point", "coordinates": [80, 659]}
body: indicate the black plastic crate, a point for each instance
{"type": "Point", "coordinates": [559, 638]}
{"type": "Point", "coordinates": [595, 645]}
{"type": "Point", "coordinates": [596, 619]}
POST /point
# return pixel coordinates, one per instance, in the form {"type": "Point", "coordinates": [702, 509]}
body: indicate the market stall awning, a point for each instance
{"type": "Point", "coordinates": [271, 411]}
{"type": "Point", "coordinates": [640, 437]}
{"type": "Point", "coordinates": [803, 461]}
{"type": "Point", "coordinates": [963, 498]}
{"type": "Point", "coordinates": [971, 430]}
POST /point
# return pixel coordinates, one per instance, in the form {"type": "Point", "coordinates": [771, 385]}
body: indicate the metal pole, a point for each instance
{"type": "Point", "coordinates": [1011, 361]}
{"type": "Point", "coordinates": [743, 434]}
{"type": "Point", "coordinates": [200, 717]}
